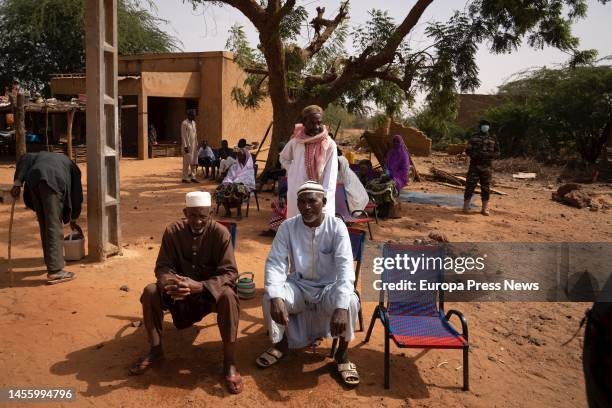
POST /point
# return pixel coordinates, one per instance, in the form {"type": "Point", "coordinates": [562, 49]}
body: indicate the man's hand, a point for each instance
{"type": "Point", "coordinates": [338, 323]}
{"type": "Point", "coordinates": [186, 149]}
{"type": "Point", "coordinates": [278, 311]}
{"type": "Point", "coordinates": [179, 287]}
{"type": "Point", "coordinates": [73, 225]}
{"type": "Point", "coordinates": [15, 191]}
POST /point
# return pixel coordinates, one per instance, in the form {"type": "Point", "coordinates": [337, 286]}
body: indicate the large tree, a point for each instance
{"type": "Point", "coordinates": [43, 37]}
{"type": "Point", "coordinates": [383, 67]}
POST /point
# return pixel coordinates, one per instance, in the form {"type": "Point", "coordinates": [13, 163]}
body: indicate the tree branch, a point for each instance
{"type": "Point", "coordinates": [256, 71]}
{"type": "Point", "coordinates": [250, 8]}
{"type": "Point", "coordinates": [277, 13]}
{"type": "Point", "coordinates": [404, 84]}
{"type": "Point", "coordinates": [366, 65]}
{"type": "Point", "coordinates": [386, 54]}
{"type": "Point", "coordinates": [330, 26]}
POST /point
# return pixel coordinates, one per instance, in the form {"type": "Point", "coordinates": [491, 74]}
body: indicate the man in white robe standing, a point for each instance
{"type": "Point", "coordinates": [310, 155]}
{"type": "Point", "coordinates": [189, 141]}
{"type": "Point", "coordinates": [309, 284]}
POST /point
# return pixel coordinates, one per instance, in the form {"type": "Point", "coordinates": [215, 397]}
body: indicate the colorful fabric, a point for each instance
{"type": "Point", "coordinates": [398, 163]}
{"type": "Point", "coordinates": [231, 193]}
{"type": "Point", "coordinates": [279, 214]}
{"type": "Point", "coordinates": [383, 191]}
{"type": "Point", "coordinates": [316, 150]}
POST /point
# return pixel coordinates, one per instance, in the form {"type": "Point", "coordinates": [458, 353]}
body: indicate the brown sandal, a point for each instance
{"type": "Point", "coordinates": [234, 384]}
{"type": "Point", "coordinates": [144, 363]}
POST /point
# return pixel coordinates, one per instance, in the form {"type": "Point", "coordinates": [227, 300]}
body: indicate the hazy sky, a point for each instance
{"type": "Point", "coordinates": [206, 29]}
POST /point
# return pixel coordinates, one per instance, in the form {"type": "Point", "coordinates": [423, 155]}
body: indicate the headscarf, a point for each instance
{"type": "Point", "coordinates": [316, 150]}
{"type": "Point", "coordinates": [398, 163]}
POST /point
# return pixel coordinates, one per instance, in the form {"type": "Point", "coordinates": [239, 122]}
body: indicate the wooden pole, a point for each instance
{"type": "Point", "coordinates": [47, 125]}
{"type": "Point", "coordinates": [10, 240]}
{"type": "Point", "coordinates": [263, 140]}
{"type": "Point", "coordinates": [19, 114]}
{"type": "Point", "coordinates": [69, 133]}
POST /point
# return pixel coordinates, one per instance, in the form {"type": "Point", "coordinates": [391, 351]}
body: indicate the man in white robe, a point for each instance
{"type": "Point", "coordinates": [189, 142]}
{"type": "Point", "coordinates": [309, 284]}
{"type": "Point", "coordinates": [310, 155]}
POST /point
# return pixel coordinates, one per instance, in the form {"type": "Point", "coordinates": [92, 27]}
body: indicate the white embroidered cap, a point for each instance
{"type": "Point", "coordinates": [198, 199]}
{"type": "Point", "coordinates": [311, 187]}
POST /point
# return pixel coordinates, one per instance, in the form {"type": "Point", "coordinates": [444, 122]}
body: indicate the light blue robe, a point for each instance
{"type": "Point", "coordinates": [312, 270]}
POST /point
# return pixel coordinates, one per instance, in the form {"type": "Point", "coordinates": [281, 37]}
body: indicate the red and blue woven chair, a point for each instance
{"type": "Point", "coordinates": [416, 319]}
{"type": "Point", "coordinates": [231, 226]}
{"type": "Point", "coordinates": [342, 210]}
{"type": "Point", "coordinates": [357, 237]}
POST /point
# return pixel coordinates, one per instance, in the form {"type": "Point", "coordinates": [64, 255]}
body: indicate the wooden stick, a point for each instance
{"type": "Point", "coordinates": [263, 140]}
{"type": "Point", "coordinates": [47, 126]}
{"type": "Point", "coordinates": [10, 240]}
{"type": "Point", "coordinates": [417, 176]}
{"type": "Point", "coordinates": [337, 128]}
{"type": "Point", "coordinates": [69, 133]}
{"type": "Point", "coordinates": [476, 191]}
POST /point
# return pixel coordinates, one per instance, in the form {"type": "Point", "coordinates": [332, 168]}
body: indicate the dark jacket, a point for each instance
{"type": "Point", "coordinates": [482, 149]}
{"type": "Point", "coordinates": [60, 174]}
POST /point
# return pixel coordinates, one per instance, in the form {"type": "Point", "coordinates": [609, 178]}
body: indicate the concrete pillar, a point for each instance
{"type": "Point", "coordinates": [143, 122]}
{"type": "Point", "coordinates": [210, 104]}
{"type": "Point", "coordinates": [104, 234]}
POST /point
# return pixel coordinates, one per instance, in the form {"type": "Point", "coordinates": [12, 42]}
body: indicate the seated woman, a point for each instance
{"type": "Point", "coordinates": [237, 184]}
{"type": "Point", "coordinates": [385, 190]}
{"type": "Point", "coordinates": [357, 196]}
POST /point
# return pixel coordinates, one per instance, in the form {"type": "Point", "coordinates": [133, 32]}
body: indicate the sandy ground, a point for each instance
{"type": "Point", "coordinates": [80, 334]}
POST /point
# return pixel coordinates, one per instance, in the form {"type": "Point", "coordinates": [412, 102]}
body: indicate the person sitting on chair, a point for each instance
{"type": "Point", "coordinates": [206, 158]}
{"type": "Point", "coordinates": [238, 184]}
{"type": "Point", "coordinates": [196, 274]}
{"type": "Point", "coordinates": [317, 299]}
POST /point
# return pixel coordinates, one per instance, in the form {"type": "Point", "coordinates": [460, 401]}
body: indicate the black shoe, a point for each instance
{"type": "Point", "coordinates": [185, 181]}
{"type": "Point", "coordinates": [194, 181]}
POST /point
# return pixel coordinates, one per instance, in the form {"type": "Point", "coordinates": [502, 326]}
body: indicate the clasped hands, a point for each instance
{"type": "Point", "coordinates": [337, 324]}
{"type": "Point", "coordinates": [179, 287]}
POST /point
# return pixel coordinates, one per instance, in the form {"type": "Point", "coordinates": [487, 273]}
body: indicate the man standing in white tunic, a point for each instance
{"type": "Point", "coordinates": [310, 155]}
{"type": "Point", "coordinates": [189, 140]}
{"type": "Point", "coordinates": [309, 284]}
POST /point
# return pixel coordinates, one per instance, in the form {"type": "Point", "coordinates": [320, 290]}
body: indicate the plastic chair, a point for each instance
{"type": "Point", "coordinates": [357, 237]}
{"type": "Point", "coordinates": [232, 227]}
{"type": "Point", "coordinates": [416, 318]}
{"type": "Point", "coordinates": [342, 210]}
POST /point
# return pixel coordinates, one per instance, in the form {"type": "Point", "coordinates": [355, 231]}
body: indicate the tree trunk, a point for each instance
{"type": "Point", "coordinates": [19, 119]}
{"type": "Point", "coordinates": [282, 128]}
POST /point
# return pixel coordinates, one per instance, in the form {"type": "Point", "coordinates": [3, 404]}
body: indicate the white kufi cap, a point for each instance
{"type": "Point", "coordinates": [198, 199]}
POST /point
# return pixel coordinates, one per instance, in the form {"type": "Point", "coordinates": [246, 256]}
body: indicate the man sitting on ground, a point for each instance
{"type": "Point", "coordinates": [309, 283]}
{"type": "Point", "coordinates": [196, 273]}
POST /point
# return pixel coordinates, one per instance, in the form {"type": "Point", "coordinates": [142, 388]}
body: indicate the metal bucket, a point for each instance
{"type": "Point", "coordinates": [74, 245]}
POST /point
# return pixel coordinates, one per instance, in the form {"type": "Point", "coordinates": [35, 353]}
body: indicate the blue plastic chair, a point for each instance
{"type": "Point", "coordinates": [233, 228]}
{"type": "Point", "coordinates": [358, 238]}
{"type": "Point", "coordinates": [416, 318]}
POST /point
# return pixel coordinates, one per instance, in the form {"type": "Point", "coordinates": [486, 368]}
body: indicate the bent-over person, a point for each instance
{"type": "Point", "coordinates": [53, 190]}
{"type": "Point", "coordinates": [309, 284]}
{"type": "Point", "coordinates": [196, 273]}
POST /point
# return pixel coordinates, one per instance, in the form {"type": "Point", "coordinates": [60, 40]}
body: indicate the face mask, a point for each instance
{"type": "Point", "coordinates": [484, 128]}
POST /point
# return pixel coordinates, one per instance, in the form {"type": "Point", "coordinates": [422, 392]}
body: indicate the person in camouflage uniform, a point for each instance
{"type": "Point", "coordinates": [482, 148]}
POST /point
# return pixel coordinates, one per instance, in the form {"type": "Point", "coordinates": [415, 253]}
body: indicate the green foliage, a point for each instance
{"type": "Point", "coordinates": [334, 114]}
{"type": "Point", "coordinates": [440, 69]}
{"type": "Point", "coordinates": [549, 110]}
{"type": "Point", "coordinates": [44, 37]}
{"type": "Point", "coordinates": [442, 130]}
